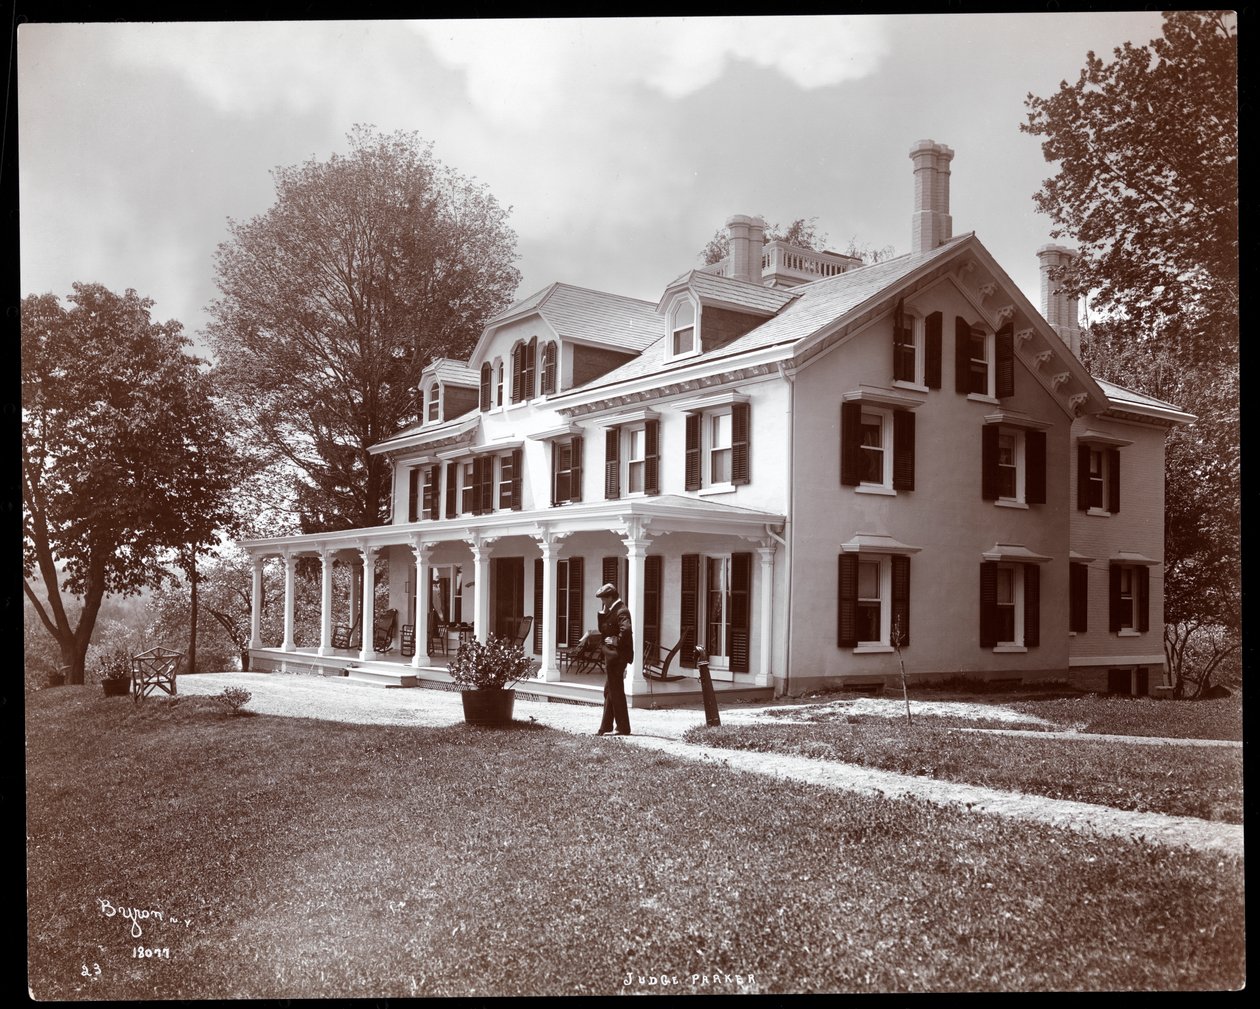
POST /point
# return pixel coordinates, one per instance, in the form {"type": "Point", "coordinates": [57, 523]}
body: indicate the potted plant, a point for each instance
{"type": "Point", "coordinates": [484, 674]}
{"type": "Point", "coordinates": [58, 678]}
{"type": "Point", "coordinates": [114, 672]}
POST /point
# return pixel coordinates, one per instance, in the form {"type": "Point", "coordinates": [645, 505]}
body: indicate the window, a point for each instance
{"type": "Point", "coordinates": [874, 601]}
{"type": "Point", "coordinates": [630, 459]}
{"type": "Point", "coordinates": [682, 326]}
{"type": "Point", "coordinates": [430, 500]}
{"type": "Point", "coordinates": [509, 486]}
{"type": "Point", "coordinates": [1130, 599]}
{"type": "Point", "coordinates": [873, 456]}
{"type": "Point", "coordinates": [973, 359]}
{"type": "Point", "coordinates": [434, 403]}
{"type": "Point", "coordinates": [717, 451]}
{"type": "Point", "coordinates": [469, 499]}
{"type": "Point", "coordinates": [498, 388]}
{"type": "Point", "coordinates": [569, 580]}
{"type": "Point", "coordinates": [1013, 462]}
{"type": "Point", "coordinates": [413, 491]}
{"type": "Point", "coordinates": [636, 460]}
{"type": "Point", "coordinates": [905, 352]}
{"type": "Point", "coordinates": [549, 368]}
{"type": "Point", "coordinates": [916, 349]}
{"type": "Point", "coordinates": [524, 359]}
{"type": "Point", "coordinates": [1010, 605]}
{"type": "Point", "coordinates": [566, 470]}
{"type": "Point", "coordinates": [1097, 478]}
{"type": "Point", "coordinates": [715, 602]}
{"type": "Point", "coordinates": [978, 361]}
{"type": "Point", "coordinates": [876, 448]}
{"type": "Point", "coordinates": [1007, 632]}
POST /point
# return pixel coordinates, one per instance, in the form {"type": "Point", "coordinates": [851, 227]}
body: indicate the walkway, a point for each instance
{"type": "Point", "coordinates": [335, 699]}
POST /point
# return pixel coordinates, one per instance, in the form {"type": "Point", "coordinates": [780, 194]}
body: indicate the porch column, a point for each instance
{"type": "Point", "coordinates": [764, 676]}
{"type": "Point", "coordinates": [325, 602]}
{"type": "Point", "coordinates": [481, 591]}
{"type": "Point", "coordinates": [424, 600]}
{"type": "Point", "coordinates": [636, 549]}
{"type": "Point", "coordinates": [356, 583]}
{"type": "Point", "coordinates": [290, 565]}
{"type": "Point", "coordinates": [255, 603]}
{"type": "Point", "coordinates": [367, 652]}
{"type": "Point", "coordinates": [549, 544]}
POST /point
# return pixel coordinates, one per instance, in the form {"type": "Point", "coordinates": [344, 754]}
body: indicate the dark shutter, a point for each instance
{"type": "Point", "coordinates": [531, 363]}
{"type": "Point", "coordinates": [1004, 380]}
{"type": "Point", "coordinates": [413, 493]}
{"type": "Point", "coordinates": [738, 628]}
{"type": "Point", "coordinates": [434, 495]}
{"type": "Point", "coordinates": [1113, 480]}
{"type": "Point", "coordinates": [651, 457]}
{"type": "Point", "coordinates": [549, 368]}
{"type": "Point", "coordinates": [576, 570]}
{"type": "Point", "coordinates": [1082, 476]}
{"type": "Point", "coordinates": [1032, 605]}
{"type": "Point", "coordinates": [850, 444]}
{"type": "Point", "coordinates": [1142, 597]}
{"type": "Point", "coordinates": [612, 464]}
{"type": "Point", "coordinates": [473, 500]}
{"type": "Point", "coordinates": [693, 452]}
{"type": "Point", "coordinates": [1078, 597]}
{"type": "Point", "coordinates": [846, 594]}
{"type": "Point", "coordinates": [741, 432]}
{"type": "Point", "coordinates": [516, 479]}
{"type": "Point", "coordinates": [689, 594]}
{"type": "Point", "coordinates": [651, 619]}
{"type": "Point", "coordinates": [575, 481]}
{"type": "Point", "coordinates": [452, 481]}
{"type": "Point", "coordinates": [962, 355]}
{"type": "Point", "coordinates": [485, 387]}
{"type": "Point", "coordinates": [610, 574]}
{"type": "Point", "coordinates": [989, 462]}
{"type": "Point", "coordinates": [1113, 598]}
{"type": "Point", "coordinates": [557, 452]}
{"type": "Point", "coordinates": [932, 351]}
{"type": "Point", "coordinates": [901, 597]}
{"type": "Point", "coordinates": [518, 372]}
{"type": "Point", "coordinates": [1035, 467]}
{"type": "Point", "coordinates": [903, 450]}
{"type": "Point", "coordinates": [562, 602]}
{"type": "Point", "coordinates": [487, 484]}
{"type": "Point", "coordinates": [538, 605]}
{"type": "Point", "coordinates": [988, 604]}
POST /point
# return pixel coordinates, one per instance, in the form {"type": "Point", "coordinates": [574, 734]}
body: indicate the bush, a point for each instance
{"type": "Point", "coordinates": [495, 665]}
{"type": "Point", "coordinates": [234, 698]}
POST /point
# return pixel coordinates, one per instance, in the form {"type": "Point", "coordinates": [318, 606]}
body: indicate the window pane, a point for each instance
{"type": "Point", "coordinates": [684, 340]}
{"type": "Point", "coordinates": [872, 454]}
{"type": "Point", "coordinates": [1006, 586]}
{"type": "Point", "coordinates": [868, 622]}
{"type": "Point", "coordinates": [720, 471]}
{"type": "Point", "coordinates": [868, 580]}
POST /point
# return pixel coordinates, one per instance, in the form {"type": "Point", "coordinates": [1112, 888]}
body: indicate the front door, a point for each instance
{"type": "Point", "coordinates": [507, 585]}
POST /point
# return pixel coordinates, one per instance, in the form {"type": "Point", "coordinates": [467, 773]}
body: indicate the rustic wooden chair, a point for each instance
{"type": "Point", "coordinates": [383, 631]}
{"type": "Point", "coordinates": [523, 627]}
{"type": "Point", "coordinates": [152, 670]}
{"type": "Point", "coordinates": [438, 634]}
{"type": "Point", "coordinates": [656, 666]}
{"type": "Point", "coordinates": [408, 646]}
{"type": "Point", "coordinates": [582, 658]}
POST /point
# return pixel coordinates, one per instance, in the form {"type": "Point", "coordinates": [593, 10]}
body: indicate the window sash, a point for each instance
{"type": "Point", "coordinates": [717, 584]}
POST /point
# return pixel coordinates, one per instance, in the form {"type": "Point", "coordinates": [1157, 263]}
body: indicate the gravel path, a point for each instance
{"type": "Point", "coordinates": [337, 699]}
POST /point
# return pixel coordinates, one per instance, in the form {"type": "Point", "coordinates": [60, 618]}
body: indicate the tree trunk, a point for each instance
{"type": "Point", "coordinates": [192, 619]}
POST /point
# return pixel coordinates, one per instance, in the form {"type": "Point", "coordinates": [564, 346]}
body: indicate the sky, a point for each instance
{"type": "Point", "coordinates": [620, 145]}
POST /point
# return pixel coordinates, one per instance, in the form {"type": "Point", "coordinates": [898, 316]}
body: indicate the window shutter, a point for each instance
{"type": "Point", "coordinates": [988, 604]}
{"type": "Point", "coordinates": [1004, 379]}
{"type": "Point", "coordinates": [846, 594]}
{"type": "Point", "coordinates": [485, 387]}
{"type": "Point", "coordinates": [741, 432]}
{"type": "Point", "coordinates": [901, 597]}
{"type": "Point", "coordinates": [903, 450]}
{"type": "Point", "coordinates": [1032, 605]}
{"type": "Point", "coordinates": [1078, 597]}
{"type": "Point", "coordinates": [651, 457]}
{"type": "Point", "coordinates": [688, 595]}
{"type": "Point", "coordinates": [989, 462]}
{"type": "Point", "coordinates": [531, 362]}
{"type": "Point", "coordinates": [575, 489]}
{"type": "Point", "coordinates": [612, 465]}
{"type": "Point", "coordinates": [518, 372]}
{"type": "Point", "coordinates": [1082, 476]}
{"type": "Point", "coordinates": [1113, 600]}
{"type": "Point", "coordinates": [413, 493]}
{"type": "Point", "coordinates": [1113, 480]}
{"type": "Point", "coordinates": [962, 355]}
{"type": "Point", "coordinates": [538, 605]}
{"type": "Point", "coordinates": [576, 571]}
{"type": "Point", "coordinates": [549, 368]}
{"type": "Point", "coordinates": [435, 504]}
{"type": "Point", "coordinates": [932, 350]}
{"type": "Point", "coordinates": [556, 449]}
{"type": "Point", "coordinates": [474, 499]}
{"type": "Point", "coordinates": [562, 602]}
{"type": "Point", "coordinates": [651, 619]}
{"type": "Point", "coordinates": [850, 444]}
{"type": "Point", "coordinates": [487, 484]}
{"type": "Point", "coordinates": [610, 574]}
{"type": "Point", "coordinates": [1142, 597]}
{"type": "Point", "coordinates": [452, 488]}
{"type": "Point", "coordinates": [738, 630]}
{"type": "Point", "coordinates": [693, 452]}
{"type": "Point", "coordinates": [516, 479]}
{"type": "Point", "coordinates": [1035, 467]}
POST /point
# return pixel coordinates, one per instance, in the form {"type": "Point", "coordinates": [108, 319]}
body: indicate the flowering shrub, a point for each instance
{"type": "Point", "coordinates": [234, 698]}
{"type": "Point", "coordinates": [114, 665]}
{"type": "Point", "coordinates": [495, 665]}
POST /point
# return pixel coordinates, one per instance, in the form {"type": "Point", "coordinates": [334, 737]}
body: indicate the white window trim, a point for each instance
{"type": "Point", "coordinates": [707, 448]}
{"type": "Point", "coordinates": [1020, 499]}
{"type": "Point", "coordinates": [627, 439]}
{"type": "Point", "coordinates": [1016, 644]}
{"type": "Point", "coordinates": [990, 354]}
{"type": "Point", "coordinates": [1130, 630]}
{"type": "Point", "coordinates": [499, 398]}
{"type": "Point", "coordinates": [881, 644]}
{"type": "Point", "coordinates": [465, 485]}
{"type": "Point", "coordinates": [671, 328]}
{"type": "Point", "coordinates": [432, 397]}
{"type": "Point", "coordinates": [918, 338]}
{"type": "Point", "coordinates": [720, 662]}
{"type": "Point", "coordinates": [885, 486]}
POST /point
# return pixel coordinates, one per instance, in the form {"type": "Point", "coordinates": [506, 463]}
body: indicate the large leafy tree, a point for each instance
{"type": "Point", "coordinates": [367, 267]}
{"type": "Point", "coordinates": [124, 462]}
{"type": "Point", "coordinates": [1147, 186]}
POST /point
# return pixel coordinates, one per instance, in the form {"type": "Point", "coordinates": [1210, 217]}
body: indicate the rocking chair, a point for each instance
{"type": "Point", "coordinates": [657, 668]}
{"type": "Point", "coordinates": [383, 631]}
{"type": "Point", "coordinates": [523, 627]}
{"type": "Point", "coordinates": [344, 633]}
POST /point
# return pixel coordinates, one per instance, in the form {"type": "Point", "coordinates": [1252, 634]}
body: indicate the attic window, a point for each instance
{"type": "Point", "coordinates": [431, 394]}
{"type": "Point", "coordinates": [682, 325]}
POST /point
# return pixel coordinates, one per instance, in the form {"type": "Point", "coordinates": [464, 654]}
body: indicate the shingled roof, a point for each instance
{"type": "Point", "coordinates": [753, 297]}
{"type": "Point", "coordinates": [592, 316]}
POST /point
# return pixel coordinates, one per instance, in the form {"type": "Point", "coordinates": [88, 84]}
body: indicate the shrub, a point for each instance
{"type": "Point", "coordinates": [234, 698]}
{"type": "Point", "coordinates": [115, 664]}
{"type": "Point", "coordinates": [495, 665]}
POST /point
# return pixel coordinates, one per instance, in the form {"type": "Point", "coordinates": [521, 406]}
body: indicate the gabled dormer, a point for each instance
{"type": "Point", "coordinates": [448, 389]}
{"type": "Point", "coordinates": [704, 311]}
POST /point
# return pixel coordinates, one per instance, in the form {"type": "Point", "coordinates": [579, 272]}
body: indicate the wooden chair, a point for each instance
{"type": "Point", "coordinates": [438, 633]}
{"type": "Point", "coordinates": [583, 658]}
{"type": "Point", "coordinates": [154, 670]}
{"type": "Point", "coordinates": [383, 631]}
{"type": "Point", "coordinates": [523, 627]}
{"type": "Point", "coordinates": [408, 646]}
{"type": "Point", "coordinates": [343, 633]}
{"type": "Point", "coordinates": [656, 666]}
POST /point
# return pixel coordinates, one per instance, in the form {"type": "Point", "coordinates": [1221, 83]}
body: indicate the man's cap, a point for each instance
{"type": "Point", "coordinates": [607, 589]}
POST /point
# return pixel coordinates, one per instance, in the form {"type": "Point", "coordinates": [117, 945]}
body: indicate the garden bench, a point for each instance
{"type": "Point", "coordinates": [153, 670]}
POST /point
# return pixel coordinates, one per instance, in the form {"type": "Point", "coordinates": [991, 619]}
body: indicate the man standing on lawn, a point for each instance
{"type": "Point", "coordinates": [618, 648]}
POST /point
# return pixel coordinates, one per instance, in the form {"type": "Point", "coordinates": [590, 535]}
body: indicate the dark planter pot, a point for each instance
{"type": "Point", "coordinates": [116, 688]}
{"type": "Point", "coordinates": [488, 707]}
{"type": "Point", "coordinates": [56, 680]}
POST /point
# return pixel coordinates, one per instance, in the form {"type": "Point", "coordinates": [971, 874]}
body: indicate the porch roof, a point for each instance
{"type": "Point", "coordinates": [640, 516]}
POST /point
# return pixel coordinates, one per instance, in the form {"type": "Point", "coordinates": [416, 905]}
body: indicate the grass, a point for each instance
{"type": "Point", "coordinates": [321, 859]}
{"type": "Point", "coordinates": [1141, 716]}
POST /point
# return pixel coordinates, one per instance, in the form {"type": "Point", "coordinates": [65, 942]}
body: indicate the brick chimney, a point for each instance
{"type": "Point", "coordinates": [747, 235]}
{"type": "Point", "coordinates": [931, 224]}
{"type": "Point", "coordinates": [1062, 310]}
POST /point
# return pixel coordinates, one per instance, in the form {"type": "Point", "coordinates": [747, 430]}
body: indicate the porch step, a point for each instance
{"type": "Point", "coordinates": [376, 678]}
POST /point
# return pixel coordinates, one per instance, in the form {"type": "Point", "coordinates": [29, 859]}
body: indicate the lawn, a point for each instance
{"type": "Point", "coordinates": [292, 859]}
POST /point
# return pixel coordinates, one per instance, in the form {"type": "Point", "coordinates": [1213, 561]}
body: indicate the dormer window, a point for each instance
{"type": "Point", "coordinates": [434, 403]}
{"type": "Point", "coordinates": [683, 340]}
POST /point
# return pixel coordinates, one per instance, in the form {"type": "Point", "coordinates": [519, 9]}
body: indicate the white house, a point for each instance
{"type": "Point", "coordinates": [791, 459]}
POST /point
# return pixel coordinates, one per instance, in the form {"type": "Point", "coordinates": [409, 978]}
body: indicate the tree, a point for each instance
{"type": "Point", "coordinates": [122, 461]}
{"type": "Point", "coordinates": [802, 233]}
{"type": "Point", "coordinates": [367, 267]}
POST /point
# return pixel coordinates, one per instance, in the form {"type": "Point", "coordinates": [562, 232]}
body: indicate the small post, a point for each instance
{"type": "Point", "coordinates": [711, 716]}
{"type": "Point", "coordinates": [896, 641]}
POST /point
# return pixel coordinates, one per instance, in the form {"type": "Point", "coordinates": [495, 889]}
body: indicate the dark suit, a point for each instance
{"type": "Point", "coordinates": [614, 622]}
